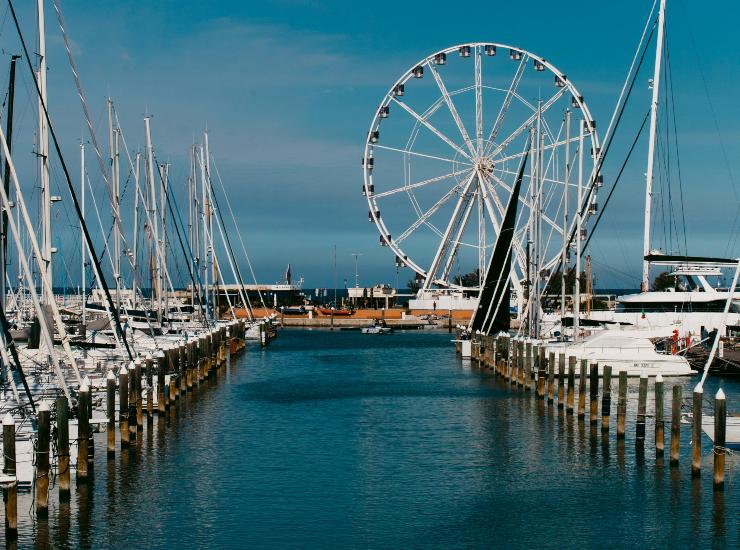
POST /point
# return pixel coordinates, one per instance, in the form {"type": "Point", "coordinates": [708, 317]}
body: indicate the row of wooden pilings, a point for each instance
{"type": "Point", "coordinates": [187, 364]}
{"type": "Point", "coordinates": [528, 366]}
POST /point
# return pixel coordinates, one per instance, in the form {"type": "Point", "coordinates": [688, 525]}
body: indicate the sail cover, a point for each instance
{"type": "Point", "coordinates": [492, 314]}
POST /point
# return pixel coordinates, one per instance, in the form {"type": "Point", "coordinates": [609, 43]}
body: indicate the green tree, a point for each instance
{"type": "Point", "coordinates": [664, 281]}
{"type": "Point", "coordinates": [413, 284]}
{"type": "Point", "coordinates": [555, 285]}
{"type": "Point", "coordinates": [469, 279]}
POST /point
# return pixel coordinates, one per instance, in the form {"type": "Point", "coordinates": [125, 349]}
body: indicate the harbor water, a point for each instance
{"type": "Point", "coordinates": [340, 439]}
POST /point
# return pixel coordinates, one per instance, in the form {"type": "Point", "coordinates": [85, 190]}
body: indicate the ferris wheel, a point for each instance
{"type": "Point", "coordinates": [443, 151]}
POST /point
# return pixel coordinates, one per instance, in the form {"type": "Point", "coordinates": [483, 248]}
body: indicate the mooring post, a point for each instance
{"type": "Point", "coordinates": [83, 431]}
{"type": "Point", "coordinates": [622, 404]}
{"type": "Point", "coordinates": [182, 350]}
{"type": "Point", "coordinates": [160, 382]}
{"type": "Point", "coordinates": [138, 388]}
{"type": "Point", "coordinates": [513, 358]}
{"type": "Point", "coordinates": [561, 380]}
{"type": "Point", "coordinates": [571, 384]}
{"type": "Point", "coordinates": [149, 362]}
{"type": "Point", "coordinates": [9, 480]}
{"type": "Point", "coordinates": [551, 376]}
{"type": "Point", "coordinates": [63, 448]}
{"type": "Point", "coordinates": [582, 389]}
{"type": "Point", "coordinates": [528, 368]}
{"type": "Point", "coordinates": [720, 438]}
{"type": "Point", "coordinates": [522, 364]}
{"type": "Point", "coordinates": [132, 402]}
{"type": "Point", "coordinates": [659, 415]}
{"type": "Point", "coordinates": [641, 408]}
{"type": "Point", "coordinates": [696, 431]}
{"type": "Point", "coordinates": [606, 399]}
{"type": "Point", "coordinates": [123, 405]}
{"type": "Point", "coordinates": [90, 434]}
{"type": "Point", "coordinates": [594, 394]}
{"type": "Point", "coordinates": [675, 425]}
{"type": "Point", "coordinates": [43, 420]}
{"type": "Point", "coordinates": [110, 386]}
{"type": "Point", "coordinates": [541, 371]}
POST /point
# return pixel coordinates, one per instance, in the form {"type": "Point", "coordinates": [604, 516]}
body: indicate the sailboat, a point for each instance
{"type": "Point", "coordinates": [686, 310]}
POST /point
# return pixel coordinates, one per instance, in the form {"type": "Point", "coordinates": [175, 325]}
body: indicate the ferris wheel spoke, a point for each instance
{"type": "Point", "coordinates": [546, 180]}
{"type": "Point", "coordinates": [492, 199]}
{"type": "Point", "coordinates": [511, 137]}
{"type": "Point", "coordinates": [451, 107]}
{"type": "Point", "coordinates": [445, 242]}
{"type": "Point", "coordinates": [548, 147]}
{"type": "Point", "coordinates": [431, 128]}
{"type": "Point", "coordinates": [459, 232]}
{"type": "Point", "coordinates": [418, 184]}
{"type": "Point", "coordinates": [511, 92]}
{"type": "Point", "coordinates": [526, 203]}
{"type": "Point", "coordinates": [430, 212]}
{"type": "Point", "coordinates": [417, 154]}
{"type": "Point", "coordinates": [478, 101]}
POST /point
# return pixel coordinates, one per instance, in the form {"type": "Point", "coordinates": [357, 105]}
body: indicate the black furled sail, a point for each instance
{"type": "Point", "coordinates": [492, 313]}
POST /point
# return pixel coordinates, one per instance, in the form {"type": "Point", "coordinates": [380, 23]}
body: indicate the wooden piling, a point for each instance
{"type": "Point", "coordinates": [696, 431]}
{"type": "Point", "coordinates": [539, 355]}
{"type": "Point", "coordinates": [675, 425]}
{"type": "Point", "coordinates": [43, 420]}
{"type": "Point", "coordinates": [593, 388]}
{"type": "Point", "coordinates": [90, 434]}
{"type": "Point", "coordinates": [123, 405]}
{"type": "Point", "coordinates": [110, 386]}
{"type": "Point", "coordinates": [9, 479]}
{"type": "Point", "coordinates": [622, 404]}
{"type": "Point", "coordinates": [132, 412]}
{"type": "Point", "coordinates": [561, 380]}
{"type": "Point", "coordinates": [528, 368]}
{"type": "Point", "coordinates": [63, 468]}
{"type": "Point", "coordinates": [161, 401]}
{"type": "Point", "coordinates": [551, 376]}
{"type": "Point", "coordinates": [582, 389]}
{"type": "Point", "coordinates": [606, 399]}
{"type": "Point", "coordinates": [138, 400]}
{"type": "Point", "coordinates": [571, 384]}
{"type": "Point", "coordinates": [182, 350]}
{"type": "Point", "coordinates": [659, 417]}
{"type": "Point", "coordinates": [149, 367]}
{"type": "Point", "coordinates": [641, 409]}
{"type": "Point", "coordinates": [720, 435]}
{"type": "Point", "coordinates": [83, 431]}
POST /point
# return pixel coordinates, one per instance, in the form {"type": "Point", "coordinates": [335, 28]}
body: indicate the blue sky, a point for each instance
{"type": "Point", "coordinates": [287, 90]}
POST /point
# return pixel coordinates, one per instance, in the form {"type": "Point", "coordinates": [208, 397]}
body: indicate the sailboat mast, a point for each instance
{"type": "Point", "coordinates": [153, 214]}
{"type": "Point", "coordinates": [651, 146]}
{"type": "Point", "coordinates": [6, 182]}
{"type": "Point", "coordinates": [579, 226]}
{"type": "Point", "coordinates": [564, 262]}
{"type": "Point", "coordinates": [204, 228]}
{"type": "Point", "coordinates": [83, 246]}
{"type": "Point", "coordinates": [43, 154]}
{"type": "Point", "coordinates": [135, 252]}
